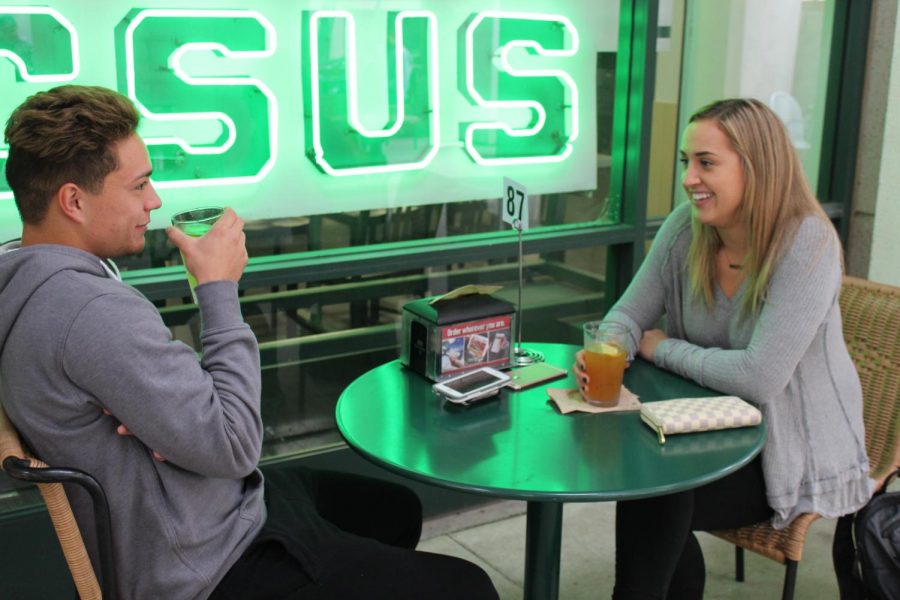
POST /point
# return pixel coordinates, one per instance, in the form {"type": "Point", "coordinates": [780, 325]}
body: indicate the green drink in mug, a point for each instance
{"type": "Point", "coordinates": [196, 222]}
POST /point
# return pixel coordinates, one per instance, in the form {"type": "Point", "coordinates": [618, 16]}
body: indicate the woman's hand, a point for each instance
{"type": "Point", "coordinates": [649, 341]}
{"type": "Point", "coordinates": [580, 373]}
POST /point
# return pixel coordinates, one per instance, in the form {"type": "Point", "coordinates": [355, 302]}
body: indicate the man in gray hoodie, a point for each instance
{"type": "Point", "coordinates": [91, 378]}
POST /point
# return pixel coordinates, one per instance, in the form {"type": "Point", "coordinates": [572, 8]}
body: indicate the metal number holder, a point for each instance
{"type": "Point", "coordinates": [520, 356]}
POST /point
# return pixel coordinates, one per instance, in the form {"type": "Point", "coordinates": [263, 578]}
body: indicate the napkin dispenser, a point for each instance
{"type": "Point", "coordinates": [463, 330]}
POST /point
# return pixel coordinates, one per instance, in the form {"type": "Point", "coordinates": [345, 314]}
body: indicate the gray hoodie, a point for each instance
{"type": "Point", "coordinates": [75, 340]}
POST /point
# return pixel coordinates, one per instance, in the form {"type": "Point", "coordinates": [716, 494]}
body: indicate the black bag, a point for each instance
{"type": "Point", "coordinates": [876, 532]}
{"type": "Point", "coordinates": [866, 549]}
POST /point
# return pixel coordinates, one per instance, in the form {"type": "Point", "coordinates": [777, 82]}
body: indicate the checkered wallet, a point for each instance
{"type": "Point", "coordinates": [686, 415]}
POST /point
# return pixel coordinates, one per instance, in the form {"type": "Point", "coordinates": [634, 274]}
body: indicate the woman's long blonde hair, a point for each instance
{"type": "Point", "coordinates": [776, 197]}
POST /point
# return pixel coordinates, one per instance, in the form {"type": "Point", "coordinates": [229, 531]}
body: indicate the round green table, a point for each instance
{"type": "Point", "coordinates": [519, 446]}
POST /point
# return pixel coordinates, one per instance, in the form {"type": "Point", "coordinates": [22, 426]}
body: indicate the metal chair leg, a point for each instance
{"type": "Point", "coordinates": [790, 579]}
{"type": "Point", "coordinates": [738, 563]}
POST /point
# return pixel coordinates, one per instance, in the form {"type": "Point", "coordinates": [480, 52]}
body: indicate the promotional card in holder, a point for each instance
{"type": "Point", "coordinates": [463, 330]}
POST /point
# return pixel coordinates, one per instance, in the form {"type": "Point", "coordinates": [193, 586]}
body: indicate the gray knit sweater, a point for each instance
{"type": "Point", "coordinates": [790, 359]}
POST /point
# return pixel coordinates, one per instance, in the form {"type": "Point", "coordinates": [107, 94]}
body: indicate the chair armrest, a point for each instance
{"type": "Point", "coordinates": [22, 469]}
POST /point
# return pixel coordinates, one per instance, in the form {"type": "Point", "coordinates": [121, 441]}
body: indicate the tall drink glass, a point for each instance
{"type": "Point", "coordinates": [196, 222]}
{"type": "Point", "coordinates": [604, 360]}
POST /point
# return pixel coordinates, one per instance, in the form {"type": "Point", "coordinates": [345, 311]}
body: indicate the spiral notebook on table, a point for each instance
{"type": "Point", "coordinates": [686, 415]}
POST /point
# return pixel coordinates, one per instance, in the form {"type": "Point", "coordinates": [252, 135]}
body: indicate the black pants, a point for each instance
{"type": "Point", "coordinates": [658, 556]}
{"type": "Point", "coordinates": [341, 536]}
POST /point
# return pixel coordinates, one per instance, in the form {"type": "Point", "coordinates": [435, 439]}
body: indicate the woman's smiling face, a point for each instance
{"type": "Point", "coordinates": [712, 174]}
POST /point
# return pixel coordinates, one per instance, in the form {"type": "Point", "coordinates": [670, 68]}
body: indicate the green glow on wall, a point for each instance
{"type": "Point", "coordinates": [337, 141]}
{"type": "Point", "coordinates": [155, 44]}
{"type": "Point", "coordinates": [551, 96]}
{"type": "Point", "coordinates": [360, 106]}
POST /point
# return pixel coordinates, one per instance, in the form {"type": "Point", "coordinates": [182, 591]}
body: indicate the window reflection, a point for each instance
{"type": "Point", "coordinates": [712, 49]}
{"type": "Point", "coordinates": [786, 68]}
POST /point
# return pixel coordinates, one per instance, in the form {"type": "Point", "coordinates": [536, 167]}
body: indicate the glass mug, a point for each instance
{"type": "Point", "coordinates": [605, 355]}
{"type": "Point", "coordinates": [196, 222]}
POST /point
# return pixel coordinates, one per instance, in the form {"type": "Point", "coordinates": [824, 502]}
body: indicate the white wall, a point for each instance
{"type": "Point", "coordinates": [884, 266]}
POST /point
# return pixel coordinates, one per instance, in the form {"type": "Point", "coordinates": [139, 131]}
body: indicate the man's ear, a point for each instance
{"type": "Point", "coordinates": [70, 199]}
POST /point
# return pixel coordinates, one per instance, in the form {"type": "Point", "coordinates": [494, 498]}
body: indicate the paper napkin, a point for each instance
{"type": "Point", "coordinates": [570, 400]}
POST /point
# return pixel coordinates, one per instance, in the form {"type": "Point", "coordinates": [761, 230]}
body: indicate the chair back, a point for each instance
{"type": "Point", "coordinates": [60, 513]}
{"type": "Point", "coordinates": [871, 315]}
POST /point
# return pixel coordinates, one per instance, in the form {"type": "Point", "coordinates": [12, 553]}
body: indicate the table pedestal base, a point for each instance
{"type": "Point", "coordinates": [543, 538]}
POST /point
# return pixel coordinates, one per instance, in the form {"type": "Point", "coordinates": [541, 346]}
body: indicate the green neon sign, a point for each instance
{"type": "Point", "coordinates": [337, 141]}
{"type": "Point", "coordinates": [550, 95]}
{"type": "Point", "coordinates": [58, 64]}
{"type": "Point", "coordinates": [301, 107]}
{"type": "Point", "coordinates": [156, 44]}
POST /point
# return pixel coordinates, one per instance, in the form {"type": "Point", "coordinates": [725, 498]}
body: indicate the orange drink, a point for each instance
{"type": "Point", "coordinates": [604, 361]}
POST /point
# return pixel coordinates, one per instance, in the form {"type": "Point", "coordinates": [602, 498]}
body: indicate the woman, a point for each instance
{"type": "Point", "coordinates": [747, 275]}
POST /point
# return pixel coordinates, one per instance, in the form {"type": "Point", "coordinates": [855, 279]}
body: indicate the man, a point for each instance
{"type": "Point", "coordinates": [92, 379]}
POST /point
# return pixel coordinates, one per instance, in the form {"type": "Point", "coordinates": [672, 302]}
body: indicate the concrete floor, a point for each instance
{"type": "Point", "coordinates": [493, 537]}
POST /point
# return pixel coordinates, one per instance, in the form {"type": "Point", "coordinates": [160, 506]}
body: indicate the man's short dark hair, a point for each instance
{"type": "Point", "coordinates": [64, 135]}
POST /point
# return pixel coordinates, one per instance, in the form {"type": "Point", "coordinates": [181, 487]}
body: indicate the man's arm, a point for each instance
{"type": "Point", "coordinates": [203, 417]}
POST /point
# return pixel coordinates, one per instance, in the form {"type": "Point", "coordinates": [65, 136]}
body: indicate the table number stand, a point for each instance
{"type": "Point", "coordinates": [515, 212]}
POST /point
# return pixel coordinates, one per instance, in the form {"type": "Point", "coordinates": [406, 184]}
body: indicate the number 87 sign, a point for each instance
{"type": "Point", "coordinates": [515, 204]}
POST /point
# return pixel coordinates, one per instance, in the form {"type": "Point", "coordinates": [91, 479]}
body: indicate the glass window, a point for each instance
{"type": "Point", "coordinates": [715, 50]}
{"type": "Point", "coordinates": [664, 141]}
{"type": "Point", "coordinates": [526, 92]}
{"type": "Point", "coordinates": [317, 333]}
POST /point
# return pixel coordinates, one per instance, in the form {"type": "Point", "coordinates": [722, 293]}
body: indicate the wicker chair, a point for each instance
{"type": "Point", "coordinates": [871, 316]}
{"type": "Point", "coordinates": [17, 464]}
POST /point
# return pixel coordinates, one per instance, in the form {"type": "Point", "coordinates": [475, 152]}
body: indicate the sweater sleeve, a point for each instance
{"type": "Point", "coordinates": [203, 416]}
{"type": "Point", "coordinates": [802, 289]}
{"type": "Point", "coordinates": [644, 301]}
